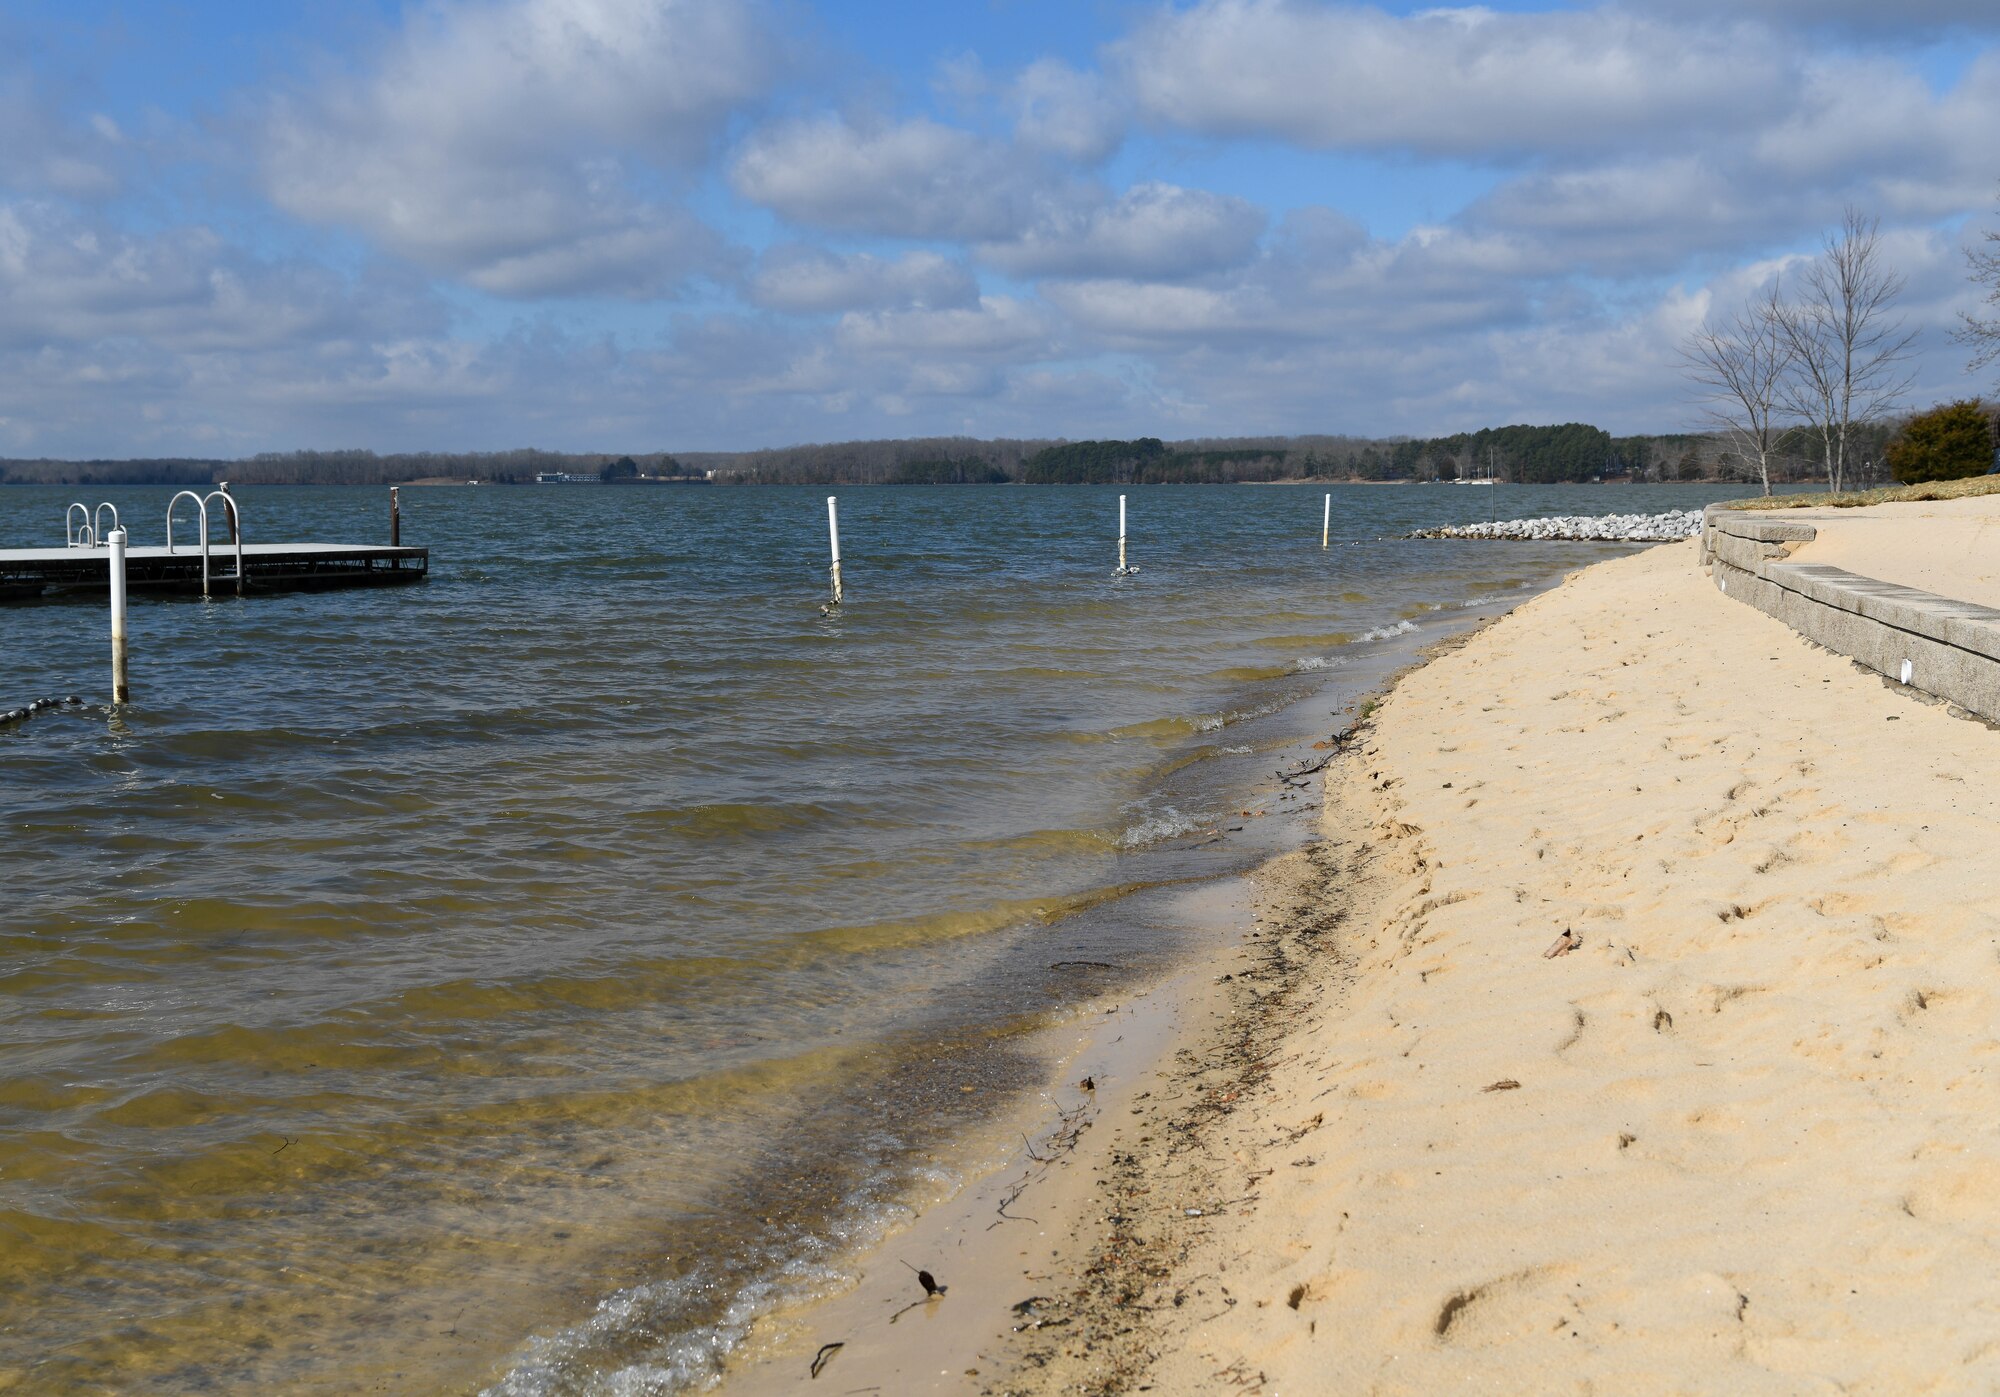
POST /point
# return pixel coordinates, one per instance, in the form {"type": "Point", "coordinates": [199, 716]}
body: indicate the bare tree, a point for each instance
{"type": "Point", "coordinates": [1845, 346]}
{"type": "Point", "coordinates": [1743, 366]}
{"type": "Point", "coordinates": [1983, 332]}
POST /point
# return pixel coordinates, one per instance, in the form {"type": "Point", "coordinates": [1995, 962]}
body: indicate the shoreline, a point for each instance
{"type": "Point", "coordinates": [998, 1240]}
{"type": "Point", "coordinates": [1057, 1156]}
{"type": "Point", "coordinates": [1049, 1155]}
{"type": "Point", "coordinates": [1626, 1027]}
{"type": "Point", "coordinates": [1632, 1033]}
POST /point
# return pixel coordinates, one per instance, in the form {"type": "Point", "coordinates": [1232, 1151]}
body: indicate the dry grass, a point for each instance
{"type": "Point", "coordinates": [1854, 499]}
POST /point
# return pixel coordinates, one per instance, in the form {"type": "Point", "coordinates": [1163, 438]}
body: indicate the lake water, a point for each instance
{"type": "Point", "coordinates": [517, 979]}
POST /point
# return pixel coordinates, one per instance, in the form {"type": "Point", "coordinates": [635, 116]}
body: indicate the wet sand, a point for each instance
{"type": "Point", "coordinates": [1739, 1138]}
{"type": "Point", "coordinates": [1000, 1244]}
{"type": "Point", "coordinates": [1738, 1135]}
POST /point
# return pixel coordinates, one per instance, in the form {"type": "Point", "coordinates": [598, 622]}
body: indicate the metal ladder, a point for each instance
{"type": "Point", "coordinates": [235, 530]}
{"type": "Point", "coordinates": [89, 533]}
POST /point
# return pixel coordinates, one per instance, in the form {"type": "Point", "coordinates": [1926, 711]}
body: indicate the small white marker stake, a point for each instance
{"type": "Point", "coordinates": [833, 533]}
{"type": "Point", "coordinates": [1123, 571]}
{"type": "Point", "coordinates": [1326, 522]}
{"type": "Point", "coordinates": [121, 691]}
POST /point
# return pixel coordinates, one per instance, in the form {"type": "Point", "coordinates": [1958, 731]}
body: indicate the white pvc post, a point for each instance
{"type": "Point", "coordinates": [121, 691]}
{"type": "Point", "coordinates": [1121, 533]}
{"type": "Point", "coordinates": [833, 533]}
{"type": "Point", "coordinates": [1326, 522]}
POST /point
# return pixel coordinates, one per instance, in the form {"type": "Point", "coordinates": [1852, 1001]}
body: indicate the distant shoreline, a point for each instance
{"type": "Point", "coordinates": [445, 481]}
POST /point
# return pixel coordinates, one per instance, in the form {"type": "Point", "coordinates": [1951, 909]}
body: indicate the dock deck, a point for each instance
{"type": "Point", "coordinates": [28, 574]}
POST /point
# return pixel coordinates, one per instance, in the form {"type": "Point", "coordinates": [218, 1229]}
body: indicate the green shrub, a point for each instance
{"type": "Point", "coordinates": [1950, 442]}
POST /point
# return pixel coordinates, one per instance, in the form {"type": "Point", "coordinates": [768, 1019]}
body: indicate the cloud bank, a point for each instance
{"type": "Point", "coordinates": [672, 223]}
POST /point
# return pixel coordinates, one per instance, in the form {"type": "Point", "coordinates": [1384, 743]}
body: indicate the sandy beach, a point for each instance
{"type": "Point", "coordinates": [1631, 1029]}
{"type": "Point", "coordinates": [1950, 547]}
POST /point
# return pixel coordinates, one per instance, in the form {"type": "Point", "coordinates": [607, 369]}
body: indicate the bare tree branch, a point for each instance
{"type": "Point", "coordinates": [1982, 333]}
{"type": "Point", "coordinates": [1742, 366]}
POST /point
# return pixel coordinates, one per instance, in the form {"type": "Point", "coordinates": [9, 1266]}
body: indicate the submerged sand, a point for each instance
{"type": "Point", "coordinates": [1743, 1137]}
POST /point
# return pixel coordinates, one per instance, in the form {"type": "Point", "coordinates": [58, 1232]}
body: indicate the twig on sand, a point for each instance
{"type": "Point", "coordinates": [826, 1352]}
{"type": "Point", "coordinates": [1060, 1142]}
{"type": "Point", "coordinates": [1014, 1196]}
{"type": "Point", "coordinates": [1296, 776]}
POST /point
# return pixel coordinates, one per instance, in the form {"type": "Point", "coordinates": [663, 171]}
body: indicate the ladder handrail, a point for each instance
{"type": "Point", "coordinates": [202, 505]}
{"type": "Point", "coordinates": [235, 533]}
{"type": "Point", "coordinates": [96, 519]}
{"type": "Point", "coordinates": [75, 536]}
{"type": "Point", "coordinates": [235, 516]}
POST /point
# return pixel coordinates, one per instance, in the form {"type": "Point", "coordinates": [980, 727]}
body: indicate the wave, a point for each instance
{"type": "Point", "coordinates": [1169, 823]}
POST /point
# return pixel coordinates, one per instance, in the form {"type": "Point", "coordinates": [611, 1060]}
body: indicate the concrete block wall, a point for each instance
{"type": "Point", "coordinates": [1943, 647]}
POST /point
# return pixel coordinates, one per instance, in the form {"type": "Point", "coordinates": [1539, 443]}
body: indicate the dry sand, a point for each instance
{"type": "Point", "coordinates": [1755, 1141]}
{"type": "Point", "coordinates": [1744, 1137]}
{"type": "Point", "coordinates": [1950, 547]}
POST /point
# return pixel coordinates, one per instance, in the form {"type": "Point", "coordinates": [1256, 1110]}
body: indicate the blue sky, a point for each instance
{"type": "Point", "coordinates": [711, 224]}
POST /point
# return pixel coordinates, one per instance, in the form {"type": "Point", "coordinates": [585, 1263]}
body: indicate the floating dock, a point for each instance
{"type": "Point", "coordinates": [29, 574]}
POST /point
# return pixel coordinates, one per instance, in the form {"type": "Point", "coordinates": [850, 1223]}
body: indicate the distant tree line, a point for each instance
{"type": "Point", "coordinates": [349, 467]}
{"type": "Point", "coordinates": [962, 470]}
{"type": "Point", "coordinates": [138, 471]}
{"type": "Point", "coordinates": [903, 461]}
{"type": "Point", "coordinates": [1565, 452]}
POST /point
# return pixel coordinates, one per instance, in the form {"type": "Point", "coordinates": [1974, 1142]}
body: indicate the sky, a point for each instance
{"type": "Point", "coordinates": [642, 225]}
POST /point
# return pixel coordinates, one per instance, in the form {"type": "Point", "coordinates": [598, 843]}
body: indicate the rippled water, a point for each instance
{"type": "Point", "coordinates": [517, 977]}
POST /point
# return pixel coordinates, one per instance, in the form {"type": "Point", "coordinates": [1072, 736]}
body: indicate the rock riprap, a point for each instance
{"type": "Point", "coordinates": [1601, 528]}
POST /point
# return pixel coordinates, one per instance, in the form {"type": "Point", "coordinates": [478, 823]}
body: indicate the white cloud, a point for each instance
{"type": "Point", "coordinates": [510, 143]}
{"type": "Point", "coordinates": [648, 254]}
{"type": "Point", "coordinates": [1321, 277]}
{"type": "Point", "coordinates": [910, 179]}
{"type": "Point", "coordinates": [1062, 109]}
{"type": "Point", "coordinates": [1863, 131]}
{"type": "Point", "coordinates": [997, 325]}
{"type": "Point", "coordinates": [1631, 165]}
{"type": "Point", "coordinates": [1152, 231]}
{"type": "Point", "coordinates": [178, 341]}
{"type": "Point", "coordinates": [922, 179]}
{"type": "Point", "coordinates": [70, 281]}
{"type": "Point", "coordinates": [1464, 83]}
{"type": "Point", "coordinates": [809, 281]}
